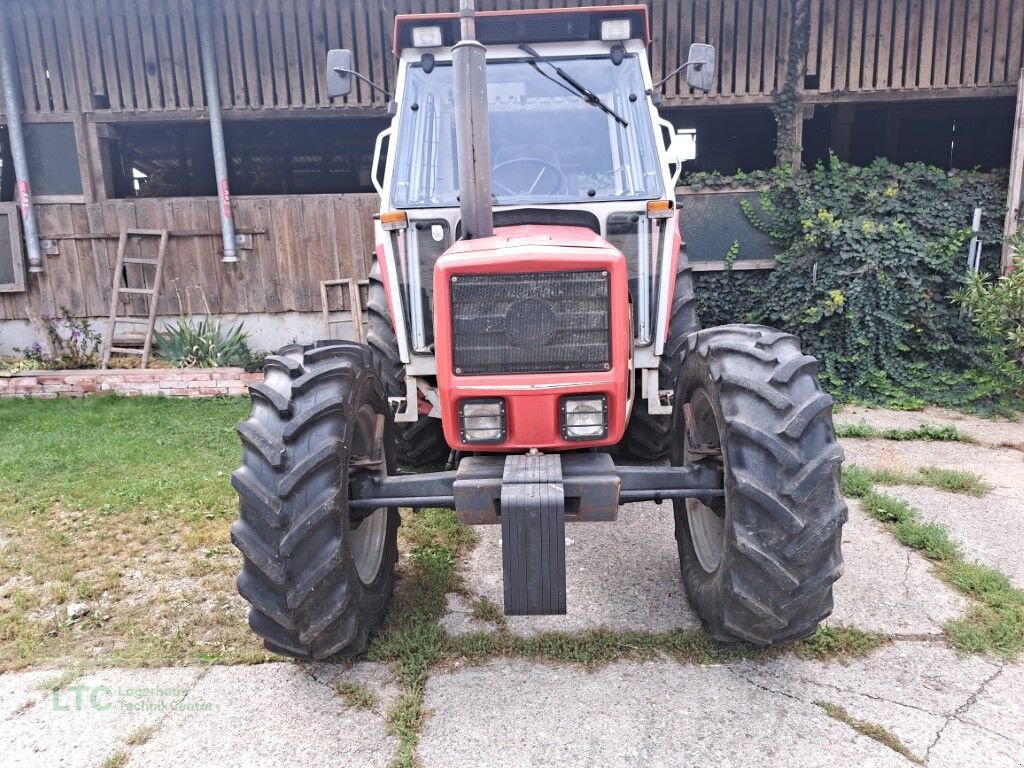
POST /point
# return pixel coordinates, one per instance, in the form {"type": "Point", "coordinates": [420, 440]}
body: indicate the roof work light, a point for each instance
{"type": "Point", "coordinates": [426, 37]}
{"type": "Point", "coordinates": [615, 29]}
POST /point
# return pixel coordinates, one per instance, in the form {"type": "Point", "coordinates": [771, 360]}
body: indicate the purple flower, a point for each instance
{"type": "Point", "coordinates": [37, 347]}
{"type": "Point", "coordinates": [75, 334]}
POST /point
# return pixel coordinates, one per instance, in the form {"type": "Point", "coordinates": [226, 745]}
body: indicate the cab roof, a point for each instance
{"type": "Point", "coordinates": [543, 25]}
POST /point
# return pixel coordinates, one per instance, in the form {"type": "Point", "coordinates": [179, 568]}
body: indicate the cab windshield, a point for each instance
{"type": "Point", "coordinates": [548, 144]}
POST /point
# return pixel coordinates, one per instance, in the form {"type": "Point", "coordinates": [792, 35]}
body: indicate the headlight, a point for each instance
{"type": "Point", "coordinates": [585, 417]}
{"type": "Point", "coordinates": [426, 37]}
{"type": "Point", "coordinates": [482, 420]}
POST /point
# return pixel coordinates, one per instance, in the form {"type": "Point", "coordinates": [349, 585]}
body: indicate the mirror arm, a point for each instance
{"type": "Point", "coordinates": [698, 65]}
{"type": "Point", "coordinates": [368, 81]}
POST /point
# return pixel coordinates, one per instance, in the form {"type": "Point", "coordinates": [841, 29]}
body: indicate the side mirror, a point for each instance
{"type": "Point", "coordinates": [700, 73]}
{"type": "Point", "coordinates": [339, 69]}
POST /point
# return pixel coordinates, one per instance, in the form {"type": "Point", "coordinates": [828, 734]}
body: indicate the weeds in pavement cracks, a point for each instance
{"type": "Point", "coordinates": [995, 622]}
{"type": "Point", "coordinates": [872, 730]}
{"type": "Point", "coordinates": [936, 432]}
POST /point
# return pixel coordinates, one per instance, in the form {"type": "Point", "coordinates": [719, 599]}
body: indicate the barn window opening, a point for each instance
{"type": "Point", "coordinates": [265, 157]}
{"type": "Point", "coordinates": [6, 168]}
{"type": "Point", "coordinates": [724, 140]}
{"type": "Point", "coordinates": [951, 135]}
{"type": "Point", "coordinates": [301, 157]}
{"type": "Point", "coordinates": [159, 160]}
{"type": "Point", "coordinates": [52, 157]}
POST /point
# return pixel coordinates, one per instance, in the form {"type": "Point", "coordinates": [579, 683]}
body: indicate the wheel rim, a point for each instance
{"type": "Point", "coordinates": [707, 528]}
{"type": "Point", "coordinates": [368, 535]}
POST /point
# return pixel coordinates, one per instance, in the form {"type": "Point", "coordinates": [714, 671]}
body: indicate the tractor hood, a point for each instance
{"type": "Point", "coordinates": [532, 239]}
{"type": "Point", "coordinates": [533, 316]}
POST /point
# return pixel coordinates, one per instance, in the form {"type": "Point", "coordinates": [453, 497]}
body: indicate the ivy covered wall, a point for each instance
{"type": "Point", "coordinates": [868, 261]}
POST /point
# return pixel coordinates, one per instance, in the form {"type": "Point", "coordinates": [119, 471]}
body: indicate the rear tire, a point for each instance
{"type": "Point", "coordinates": [760, 566]}
{"type": "Point", "coordinates": [648, 437]}
{"type": "Point", "coordinates": [318, 578]}
{"type": "Point", "coordinates": [420, 443]}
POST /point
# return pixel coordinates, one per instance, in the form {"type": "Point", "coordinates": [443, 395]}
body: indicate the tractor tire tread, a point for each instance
{"type": "Point", "coordinates": [306, 597]}
{"type": "Point", "coordinates": [782, 547]}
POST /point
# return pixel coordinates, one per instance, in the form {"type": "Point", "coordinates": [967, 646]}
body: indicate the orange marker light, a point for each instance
{"type": "Point", "coordinates": [394, 220]}
{"type": "Point", "coordinates": [660, 209]}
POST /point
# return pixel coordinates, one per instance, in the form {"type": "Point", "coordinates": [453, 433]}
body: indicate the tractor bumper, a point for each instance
{"type": "Point", "coordinates": [532, 496]}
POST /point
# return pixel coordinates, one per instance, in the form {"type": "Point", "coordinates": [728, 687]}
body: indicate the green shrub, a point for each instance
{"type": "Point", "coordinates": [997, 308]}
{"type": "Point", "coordinates": [868, 261]}
{"type": "Point", "coordinates": [203, 344]}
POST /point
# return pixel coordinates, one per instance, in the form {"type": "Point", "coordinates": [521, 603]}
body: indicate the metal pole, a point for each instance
{"type": "Point", "coordinates": [471, 131]}
{"type": "Point", "coordinates": [220, 162]}
{"type": "Point", "coordinates": [12, 106]}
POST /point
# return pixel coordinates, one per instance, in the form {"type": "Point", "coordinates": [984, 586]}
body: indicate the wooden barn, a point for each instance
{"type": "Point", "coordinates": [113, 115]}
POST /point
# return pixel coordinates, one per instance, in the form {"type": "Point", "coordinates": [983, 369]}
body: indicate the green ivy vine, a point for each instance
{"type": "Point", "coordinates": [868, 262]}
{"type": "Point", "coordinates": [787, 108]}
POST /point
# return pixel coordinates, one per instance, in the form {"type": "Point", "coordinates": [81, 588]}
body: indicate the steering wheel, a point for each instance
{"type": "Point", "coordinates": [550, 174]}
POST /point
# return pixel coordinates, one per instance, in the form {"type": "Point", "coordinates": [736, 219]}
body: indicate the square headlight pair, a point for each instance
{"type": "Point", "coordinates": [483, 420]}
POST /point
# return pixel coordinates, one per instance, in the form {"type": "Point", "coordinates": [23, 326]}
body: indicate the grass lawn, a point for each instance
{"type": "Point", "coordinates": [123, 505]}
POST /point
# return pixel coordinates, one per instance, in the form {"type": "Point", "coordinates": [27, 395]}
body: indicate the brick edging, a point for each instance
{"type": "Point", "coordinates": [173, 382]}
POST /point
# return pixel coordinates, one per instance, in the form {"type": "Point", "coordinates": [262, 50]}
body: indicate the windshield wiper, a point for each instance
{"type": "Point", "coordinates": [581, 90]}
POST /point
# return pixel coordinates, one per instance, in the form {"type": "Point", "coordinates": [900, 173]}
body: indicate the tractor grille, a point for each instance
{"type": "Point", "coordinates": [539, 322]}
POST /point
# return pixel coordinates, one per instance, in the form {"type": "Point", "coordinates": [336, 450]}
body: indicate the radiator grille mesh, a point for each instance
{"type": "Point", "coordinates": [540, 322]}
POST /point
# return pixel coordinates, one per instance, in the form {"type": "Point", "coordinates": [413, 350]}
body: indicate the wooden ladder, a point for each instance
{"type": "Point", "coordinates": [117, 290]}
{"type": "Point", "coordinates": [351, 303]}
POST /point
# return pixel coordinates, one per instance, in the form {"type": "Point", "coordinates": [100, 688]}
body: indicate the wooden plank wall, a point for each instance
{"type": "Point", "coordinates": [915, 45]}
{"type": "Point", "coordinates": [307, 239]}
{"type": "Point", "coordinates": [142, 55]}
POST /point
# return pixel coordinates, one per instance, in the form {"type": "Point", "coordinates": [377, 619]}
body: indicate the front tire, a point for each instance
{"type": "Point", "coordinates": [318, 578]}
{"type": "Point", "coordinates": [760, 566]}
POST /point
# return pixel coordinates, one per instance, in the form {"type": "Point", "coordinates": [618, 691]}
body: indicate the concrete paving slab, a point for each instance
{"type": "Point", "coordinates": [967, 745]}
{"type": "Point", "coordinates": [999, 706]}
{"type": "Point", "coordinates": [912, 689]}
{"type": "Point", "coordinates": [988, 729]}
{"type": "Point", "coordinates": [650, 715]}
{"type": "Point", "coordinates": [980, 525]}
{"type": "Point", "coordinates": [1001, 468]}
{"type": "Point", "coordinates": [886, 587]}
{"type": "Point", "coordinates": [996, 432]}
{"type": "Point", "coordinates": [21, 690]}
{"type": "Point", "coordinates": [267, 715]}
{"type": "Point", "coordinates": [625, 576]}
{"type": "Point", "coordinates": [379, 679]}
{"type": "Point", "coordinates": [620, 576]}
{"type": "Point", "coordinates": [87, 722]}
{"type": "Point", "coordinates": [458, 618]}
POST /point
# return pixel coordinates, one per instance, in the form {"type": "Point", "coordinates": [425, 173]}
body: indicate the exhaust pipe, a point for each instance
{"type": "Point", "coordinates": [471, 129]}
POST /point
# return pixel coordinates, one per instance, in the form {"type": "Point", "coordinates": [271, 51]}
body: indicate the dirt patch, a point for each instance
{"type": "Point", "coordinates": [146, 589]}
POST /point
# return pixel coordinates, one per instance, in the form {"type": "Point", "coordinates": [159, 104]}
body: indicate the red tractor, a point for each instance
{"type": "Point", "coordinates": [531, 314]}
